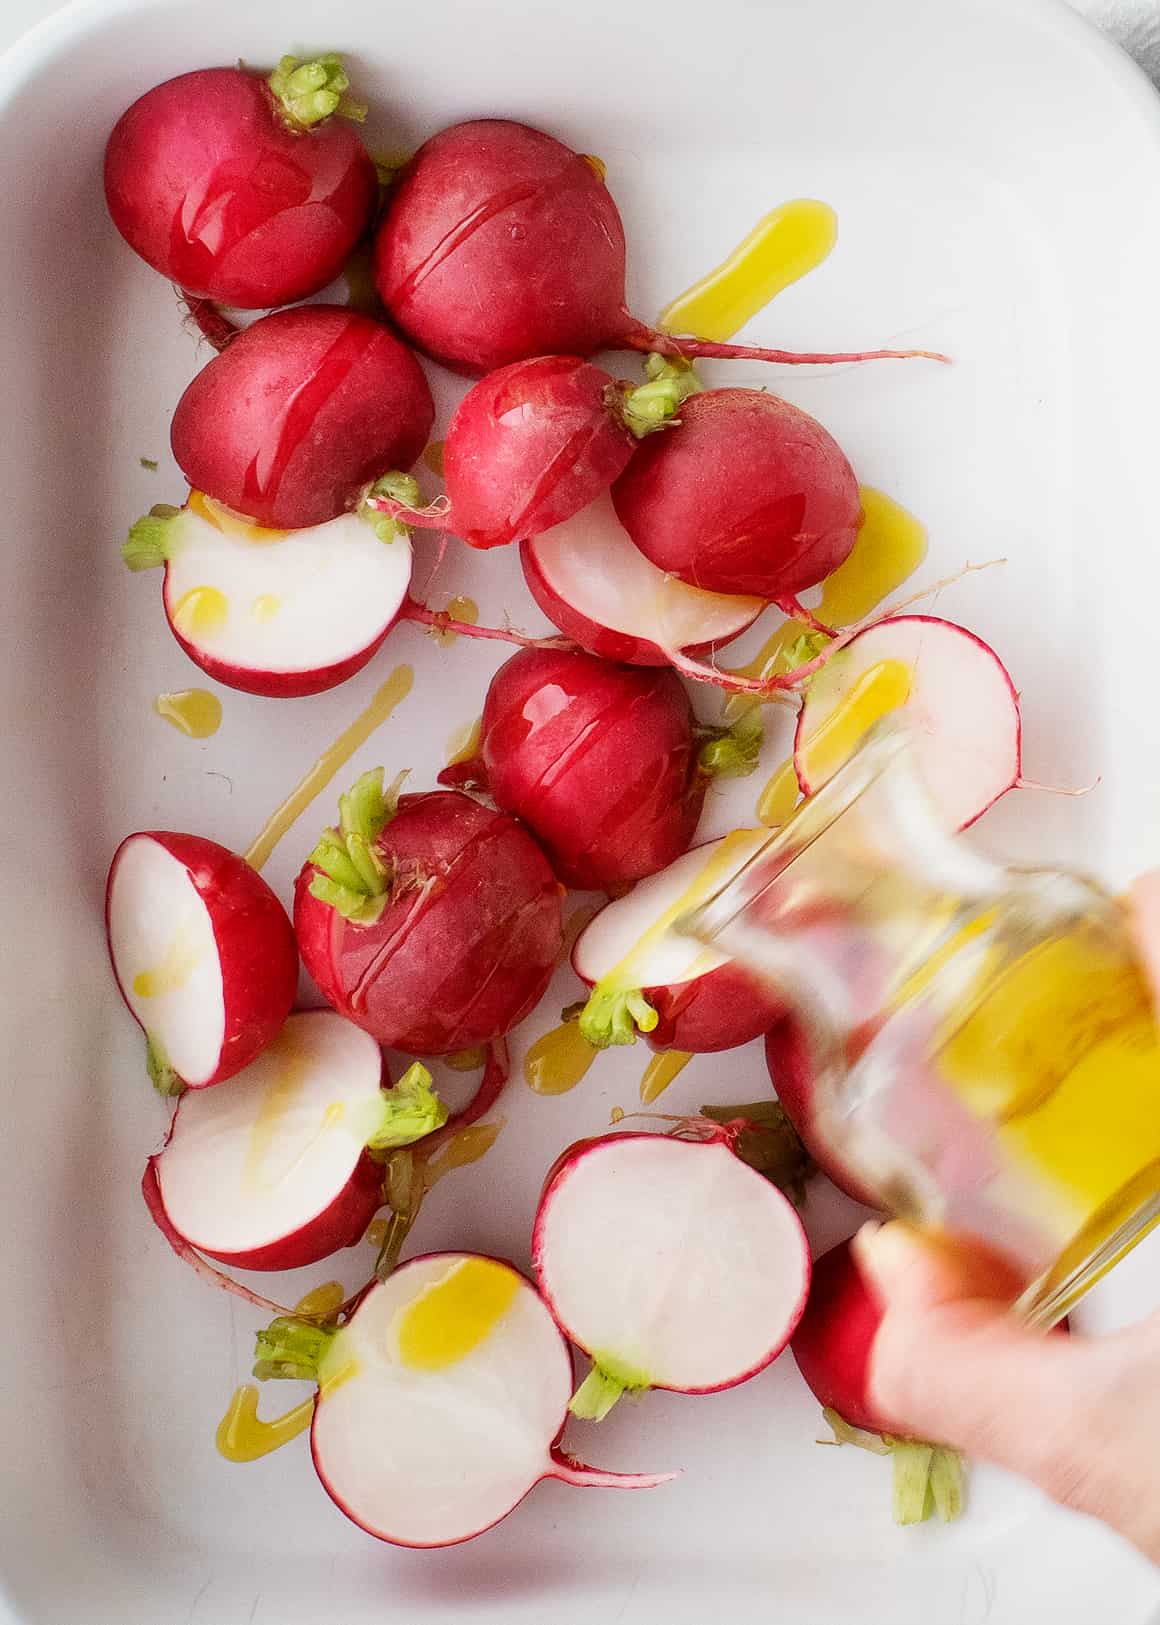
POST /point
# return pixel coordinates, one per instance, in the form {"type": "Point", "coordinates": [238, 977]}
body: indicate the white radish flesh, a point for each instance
{"type": "Point", "coordinates": [955, 698]}
{"type": "Point", "coordinates": [671, 1262]}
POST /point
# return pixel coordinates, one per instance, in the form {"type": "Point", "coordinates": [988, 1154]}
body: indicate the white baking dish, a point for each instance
{"type": "Point", "coordinates": [995, 169]}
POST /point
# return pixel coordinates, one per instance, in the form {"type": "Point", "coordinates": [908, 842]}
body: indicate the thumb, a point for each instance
{"type": "Point", "coordinates": [951, 1363]}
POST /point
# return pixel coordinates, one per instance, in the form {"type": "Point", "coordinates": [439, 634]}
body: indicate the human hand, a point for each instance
{"type": "Point", "coordinates": [1079, 1417]}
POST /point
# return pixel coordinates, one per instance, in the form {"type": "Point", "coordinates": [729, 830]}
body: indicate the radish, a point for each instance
{"type": "Point", "coordinates": [429, 920]}
{"type": "Point", "coordinates": [646, 978]}
{"type": "Point", "coordinates": [945, 684]}
{"type": "Point", "coordinates": [306, 407]}
{"type": "Point", "coordinates": [241, 188]}
{"type": "Point", "coordinates": [752, 496]}
{"type": "Point", "coordinates": [500, 243]}
{"type": "Point", "coordinates": [602, 762]}
{"type": "Point", "coordinates": [832, 1347]}
{"type": "Point", "coordinates": [203, 954]}
{"type": "Point", "coordinates": [600, 590]}
{"type": "Point", "coordinates": [792, 1074]}
{"type": "Point", "coordinates": [275, 612]}
{"type": "Point", "coordinates": [440, 1402]}
{"type": "Point", "coordinates": [535, 442]}
{"type": "Point", "coordinates": [277, 1169]}
{"type": "Point", "coordinates": [670, 1262]}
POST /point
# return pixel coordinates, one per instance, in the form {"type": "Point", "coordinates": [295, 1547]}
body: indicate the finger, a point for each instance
{"type": "Point", "coordinates": [915, 1271]}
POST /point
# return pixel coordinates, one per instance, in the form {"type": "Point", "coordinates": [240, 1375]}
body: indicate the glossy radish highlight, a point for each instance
{"type": "Point", "coordinates": [243, 189]}
{"type": "Point", "coordinates": [273, 612]}
{"type": "Point", "coordinates": [203, 954]}
{"type": "Point", "coordinates": [670, 1262]}
{"type": "Point", "coordinates": [431, 921]}
{"type": "Point", "coordinates": [299, 414]}
{"type": "Point", "coordinates": [277, 1169]}
{"type": "Point", "coordinates": [500, 243]}
{"type": "Point", "coordinates": [592, 582]}
{"type": "Point", "coordinates": [832, 1347]}
{"type": "Point", "coordinates": [647, 979]}
{"type": "Point", "coordinates": [605, 764]}
{"type": "Point", "coordinates": [440, 1402]}
{"type": "Point", "coordinates": [534, 443]}
{"type": "Point", "coordinates": [752, 496]}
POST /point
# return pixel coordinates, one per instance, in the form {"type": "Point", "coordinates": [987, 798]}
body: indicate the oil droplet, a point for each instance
{"type": "Point", "coordinates": [243, 1436]}
{"type": "Point", "coordinates": [880, 690]}
{"type": "Point", "coordinates": [232, 524]}
{"type": "Point", "coordinates": [788, 243]}
{"type": "Point", "coordinates": [467, 1060]}
{"type": "Point", "coordinates": [462, 1149]}
{"type": "Point", "coordinates": [556, 1062]}
{"type": "Point", "coordinates": [176, 967]}
{"type": "Point", "coordinates": [890, 546]}
{"type": "Point", "coordinates": [597, 165]}
{"type": "Point", "coordinates": [277, 1102]}
{"type": "Point", "coordinates": [616, 1115]}
{"type": "Point", "coordinates": [780, 796]}
{"type": "Point", "coordinates": [200, 612]}
{"type": "Point", "coordinates": [194, 712]}
{"type": "Point", "coordinates": [583, 914]}
{"type": "Point", "coordinates": [433, 457]}
{"type": "Point", "coordinates": [322, 1301]}
{"type": "Point", "coordinates": [660, 1072]}
{"type": "Point", "coordinates": [460, 609]}
{"type": "Point", "coordinates": [376, 1233]}
{"type": "Point", "coordinates": [454, 1315]}
{"type": "Point", "coordinates": [463, 744]}
{"type": "Point", "coordinates": [392, 693]}
{"type": "Point", "coordinates": [265, 607]}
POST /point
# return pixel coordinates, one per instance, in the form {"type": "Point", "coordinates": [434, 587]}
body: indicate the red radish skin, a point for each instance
{"type": "Point", "coordinates": [467, 939]}
{"type": "Point", "coordinates": [833, 1342]}
{"type": "Point", "coordinates": [791, 1073]}
{"type": "Point", "coordinates": [600, 590]}
{"type": "Point", "coordinates": [253, 938]}
{"type": "Point", "coordinates": [529, 446]}
{"type": "Point", "coordinates": [601, 762]}
{"type": "Point", "coordinates": [750, 1226]}
{"type": "Point", "coordinates": [751, 496]}
{"type": "Point", "coordinates": [214, 183]}
{"type": "Point", "coordinates": [306, 407]}
{"type": "Point", "coordinates": [500, 243]}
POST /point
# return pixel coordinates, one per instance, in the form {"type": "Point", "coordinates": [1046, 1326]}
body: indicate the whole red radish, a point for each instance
{"type": "Point", "coordinates": [239, 188]}
{"type": "Point", "coordinates": [500, 243]}
{"type": "Point", "coordinates": [282, 613]}
{"type": "Point", "coordinates": [441, 1401]}
{"type": "Point", "coordinates": [661, 1286]}
{"type": "Point", "coordinates": [602, 762]}
{"type": "Point", "coordinates": [791, 1072]}
{"type": "Point", "coordinates": [600, 590]}
{"type": "Point", "coordinates": [306, 407]}
{"type": "Point", "coordinates": [832, 1347]}
{"type": "Point", "coordinates": [283, 1165]}
{"type": "Point", "coordinates": [648, 979]}
{"type": "Point", "coordinates": [535, 442]}
{"type": "Point", "coordinates": [433, 922]}
{"type": "Point", "coordinates": [203, 954]}
{"type": "Point", "coordinates": [751, 496]}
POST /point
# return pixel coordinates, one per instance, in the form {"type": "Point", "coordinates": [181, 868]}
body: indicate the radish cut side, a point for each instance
{"type": "Point", "coordinates": [165, 955]}
{"type": "Point", "coordinates": [592, 581]}
{"type": "Point", "coordinates": [441, 1400]}
{"type": "Point", "coordinates": [257, 1159]}
{"type": "Point", "coordinates": [670, 1262]}
{"type": "Point", "coordinates": [304, 606]}
{"type": "Point", "coordinates": [959, 704]}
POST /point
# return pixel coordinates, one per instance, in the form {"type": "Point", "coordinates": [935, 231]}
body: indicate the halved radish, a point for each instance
{"type": "Point", "coordinates": [275, 1170]}
{"type": "Point", "coordinates": [948, 686]}
{"type": "Point", "coordinates": [645, 978]}
{"type": "Point", "coordinates": [595, 584]}
{"type": "Point", "coordinates": [440, 1403]}
{"type": "Point", "coordinates": [670, 1262]}
{"type": "Point", "coordinates": [203, 954]}
{"type": "Point", "coordinates": [430, 920]}
{"type": "Point", "coordinates": [275, 612]}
